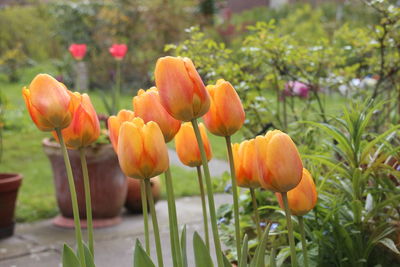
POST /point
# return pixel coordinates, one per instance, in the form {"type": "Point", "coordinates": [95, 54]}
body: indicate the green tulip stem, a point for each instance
{"type": "Point", "coordinates": [235, 197]}
{"type": "Point", "coordinates": [211, 204]}
{"type": "Point", "coordinates": [173, 221]}
{"type": "Point", "coordinates": [88, 199]}
{"type": "Point", "coordinates": [203, 206]}
{"type": "Point", "coordinates": [117, 89]}
{"type": "Point", "coordinates": [145, 214]}
{"type": "Point", "coordinates": [74, 200]}
{"type": "Point", "coordinates": [256, 214]}
{"type": "Point", "coordinates": [303, 240]}
{"type": "Point", "coordinates": [290, 229]}
{"type": "Point", "coordinates": [155, 223]}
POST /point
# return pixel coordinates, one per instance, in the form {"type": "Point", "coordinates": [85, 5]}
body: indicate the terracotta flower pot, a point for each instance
{"type": "Point", "coordinates": [108, 185]}
{"type": "Point", "coordinates": [9, 185]}
{"type": "Point", "coordinates": [133, 199]}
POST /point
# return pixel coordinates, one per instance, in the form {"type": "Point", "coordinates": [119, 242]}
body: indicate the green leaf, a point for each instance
{"type": "Point", "coordinates": [201, 254]}
{"type": "Point", "coordinates": [370, 145]}
{"type": "Point", "coordinates": [226, 261]}
{"type": "Point", "coordinates": [69, 259]}
{"type": "Point", "coordinates": [140, 257]}
{"type": "Point", "coordinates": [89, 260]}
{"type": "Point", "coordinates": [259, 256]}
{"type": "Point", "coordinates": [183, 246]}
{"type": "Point", "coordinates": [390, 245]}
{"type": "Point", "coordinates": [243, 263]}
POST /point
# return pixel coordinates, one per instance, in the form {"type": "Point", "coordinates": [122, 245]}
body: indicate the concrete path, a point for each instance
{"type": "Point", "coordinates": [39, 244]}
{"type": "Point", "coordinates": [217, 166]}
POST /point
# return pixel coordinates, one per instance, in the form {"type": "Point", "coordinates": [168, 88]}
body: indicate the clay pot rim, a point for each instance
{"type": "Point", "coordinates": [10, 181]}
{"type": "Point", "coordinates": [50, 143]}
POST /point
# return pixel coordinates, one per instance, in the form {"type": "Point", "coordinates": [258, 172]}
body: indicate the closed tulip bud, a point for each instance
{"type": "Point", "coordinates": [118, 51]}
{"type": "Point", "coordinates": [48, 103]}
{"type": "Point", "coordinates": [142, 152]}
{"type": "Point", "coordinates": [226, 115]}
{"type": "Point", "coordinates": [182, 91]}
{"type": "Point", "coordinates": [115, 122]}
{"type": "Point", "coordinates": [85, 127]}
{"type": "Point", "coordinates": [78, 51]}
{"type": "Point", "coordinates": [147, 105]}
{"type": "Point", "coordinates": [186, 145]}
{"type": "Point", "coordinates": [244, 157]}
{"type": "Point", "coordinates": [303, 197]}
{"type": "Point", "coordinates": [281, 163]}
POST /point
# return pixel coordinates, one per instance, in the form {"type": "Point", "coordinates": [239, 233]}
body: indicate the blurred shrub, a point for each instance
{"type": "Point", "coordinates": [26, 36]}
{"type": "Point", "coordinates": [357, 61]}
{"type": "Point", "coordinates": [145, 26]}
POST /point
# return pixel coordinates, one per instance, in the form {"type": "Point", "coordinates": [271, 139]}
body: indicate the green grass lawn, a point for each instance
{"type": "Point", "coordinates": [23, 153]}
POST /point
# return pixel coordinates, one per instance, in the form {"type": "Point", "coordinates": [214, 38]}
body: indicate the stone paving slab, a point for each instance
{"type": "Point", "coordinates": [217, 166]}
{"type": "Point", "coordinates": [40, 243]}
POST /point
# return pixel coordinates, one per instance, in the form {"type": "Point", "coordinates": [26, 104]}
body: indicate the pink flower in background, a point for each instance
{"type": "Point", "coordinates": [118, 51]}
{"type": "Point", "coordinates": [78, 51]}
{"type": "Point", "coordinates": [295, 88]}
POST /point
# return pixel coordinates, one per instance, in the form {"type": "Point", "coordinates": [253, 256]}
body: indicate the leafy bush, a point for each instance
{"type": "Point", "coordinates": [276, 53]}
{"type": "Point", "coordinates": [26, 36]}
{"type": "Point", "coordinates": [145, 26]}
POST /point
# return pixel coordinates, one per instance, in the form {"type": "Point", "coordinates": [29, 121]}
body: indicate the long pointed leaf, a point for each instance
{"type": "Point", "coordinates": [183, 246]}
{"type": "Point", "coordinates": [259, 256]}
{"type": "Point", "coordinates": [140, 257]}
{"type": "Point", "coordinates": [244, 252]}
{"type": "Point", "coordinates": [201, 254]}
{"type": "Point", "coordinates": [69, 259]}
{"type": "Point", "coordinates": [88, 257]}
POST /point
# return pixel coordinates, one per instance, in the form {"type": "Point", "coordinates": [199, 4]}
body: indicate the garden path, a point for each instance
{"type": "Point", "coordinates": [39, 244]}
{"type": "Point", "coordinates": [217, 166]}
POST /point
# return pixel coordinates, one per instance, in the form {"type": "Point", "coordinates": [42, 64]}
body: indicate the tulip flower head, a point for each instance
{"type": "Point", "coordinates": [115, 122]}
{"type": "Point", "coordinates": [245, 164]}
{"type": "Point", "coordinates": [181, 89]}
{"type": "Point", "coordinates": [186, 145]}
{"type": "Point", "coordinates": [118, 51]}
{"type": "Point", "coordinates": [48, 103]}
{"type": "Point", "coordinates": [226, 115]}
{"type": "Point", "coordinates": [78, 51]}
{"type": "Point", "coordinates": [147, 105]}
{"type": "Point", "coordinates": [142, 152]}
{"type": "Point", "coordinates": [281, 166]}
{"type": "Point", "coordinates": [85, 127]}
{"type": "Point", "coordinates": [303, 197]}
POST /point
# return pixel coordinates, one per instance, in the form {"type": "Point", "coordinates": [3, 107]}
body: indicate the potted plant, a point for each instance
{"type": "Point", "coordinates": [9, 185]}
{"type": "Point", "coordinates": [110, 188]}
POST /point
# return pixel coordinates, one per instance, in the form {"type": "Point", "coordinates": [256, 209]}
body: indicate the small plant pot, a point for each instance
{"type": "Point", "coordinates": [134, 200]}
{"type": "Point", "coordinates": [9, 186]}
{"type": "Point", "coordinates": [108, 185]}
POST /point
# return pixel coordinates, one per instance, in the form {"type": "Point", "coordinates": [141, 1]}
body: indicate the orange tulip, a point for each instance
{"type": "Point", "coordinates": [280, 161]}
{"type": "Point", "coordinates": [226, 115]}
{"type": "Point", "coordinates": [182, 91]}
{"type": "Point", "coordinates": [303, 197]}
{"type": "Point", "coordinates": [147, 105]}
{"type": "Point", "coordinates": [114, 123]}
{"type": "Point", "coordinates": [142, 152]}
{"type": "Point", "coordinates": [85, 127]}
{"type": "Point", "coordinates": [186, 145]}
{"type": "Point", "coordinates": [48, 103]}
{"type": "Point", "coordinates": [245, 164]}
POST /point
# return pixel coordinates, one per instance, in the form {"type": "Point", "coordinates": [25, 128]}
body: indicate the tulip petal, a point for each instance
{"type": "Point", "coordinates": [130, 150]}
{"type": "Point", "coordinates": [175, 87]}
{"type": "Point", "coordinates": [37, 118]}
{"type": "Point", "coordinates": [283, 162]}
{"type": "Point", "coordinates": [230, 109]}
{"type": "Point", "coordinates": [155, 149]}
{"type": "Point", "coordinates": [50, 99]}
